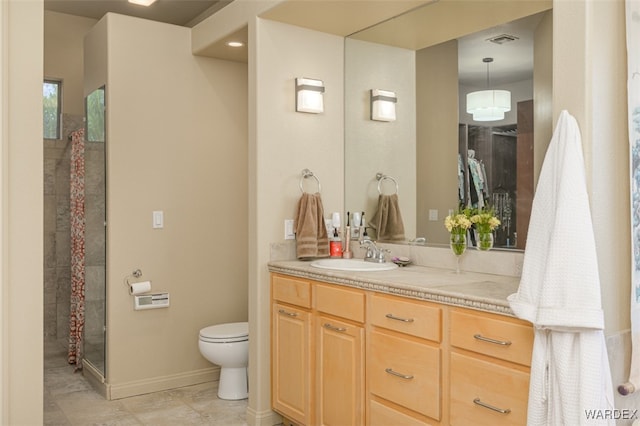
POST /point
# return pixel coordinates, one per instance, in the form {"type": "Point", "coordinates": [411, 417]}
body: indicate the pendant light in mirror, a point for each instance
{"type": "Point", "coordinates": [488, 105]}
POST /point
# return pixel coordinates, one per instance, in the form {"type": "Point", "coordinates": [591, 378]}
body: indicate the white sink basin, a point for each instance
{"type": "Point", "coordinates": [352, 265]}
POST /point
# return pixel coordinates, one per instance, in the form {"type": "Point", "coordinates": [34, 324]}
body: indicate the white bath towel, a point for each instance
{"type": "Point", "coordinates": [560, 293]}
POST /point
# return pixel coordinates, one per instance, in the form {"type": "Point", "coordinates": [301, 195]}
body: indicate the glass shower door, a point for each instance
{"type": "Point", "coordinates": [95, 231]}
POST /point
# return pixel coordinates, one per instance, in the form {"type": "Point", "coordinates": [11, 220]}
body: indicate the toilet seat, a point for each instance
{"type": "Point", "coordinates": [225, 333]}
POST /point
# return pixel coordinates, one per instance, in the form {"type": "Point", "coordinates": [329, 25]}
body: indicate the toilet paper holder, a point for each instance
{"type": "Point", "coordinates": [135, 274]}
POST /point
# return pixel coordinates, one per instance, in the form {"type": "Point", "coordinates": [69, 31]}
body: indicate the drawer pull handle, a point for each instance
{"type": "Point", "coordinates": [291, 314]}
{"type": "Point", "coordinates": [477, 401]}
{"type": "Point", "coordinates": [393, 317]}
{"type": "Point", "coordinates": [334, 328]}
{"type": "Point", "coordinates": [395, 373]}
{"type": "Point", "coordinates": [494, 341]}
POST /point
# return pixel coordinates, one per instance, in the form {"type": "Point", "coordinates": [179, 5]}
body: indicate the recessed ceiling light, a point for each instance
{"type": "Point", "coordinates": [143, 2]}
{"type": "Point", "coordinates": [235, 44]}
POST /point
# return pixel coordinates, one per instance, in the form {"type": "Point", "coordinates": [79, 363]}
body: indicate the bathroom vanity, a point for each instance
{"type": "Point", "coordinates": [410, 346]}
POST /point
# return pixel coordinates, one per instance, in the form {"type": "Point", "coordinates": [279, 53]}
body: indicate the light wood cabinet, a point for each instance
{"type": "Point", "coordinates": [291, 359]}
{"type": "Point", "coordinates": [339, 355]}
{"type": "Point", "coordinates": [343, 356]}
{"type": "Point", "coordinates": [404, 360]}
{"type": "Point", "coordinates": [489, 372]}
{"type": "Point", "coordinates": [340, 372]}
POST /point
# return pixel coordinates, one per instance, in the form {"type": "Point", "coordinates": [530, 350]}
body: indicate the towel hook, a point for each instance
{"type": "Point", "coordinates": [306, 173]}
{"type": "Point", "coordinates": [381, 177]}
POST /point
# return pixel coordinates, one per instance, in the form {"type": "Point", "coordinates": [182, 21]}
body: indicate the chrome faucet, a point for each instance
{"type": "Point", "coordinates": [374, 253]}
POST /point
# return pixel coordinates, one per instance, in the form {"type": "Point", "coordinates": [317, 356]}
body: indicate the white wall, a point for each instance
{"type": "Point", "coordinates": [282, 144]}
{"type": "Point", "coordinates": [176, 142]}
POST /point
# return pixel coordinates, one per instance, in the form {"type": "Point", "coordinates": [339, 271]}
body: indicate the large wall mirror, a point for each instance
{"type": "Point", "coordinates": [431, 58]}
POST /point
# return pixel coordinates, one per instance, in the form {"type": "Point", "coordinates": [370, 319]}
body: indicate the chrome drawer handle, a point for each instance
{"type": "Point", "coordinates": [393, 317]}
{"type": "Point", "coordinates": [291, 314]}
{"type": "Point", "coordinates": [494, 341]}
{"type": "Point", "coordinates": [395, 373]}
{"type": "Point", "coordinates": [477, 401]}
{"type": "Point", "coordinates": [334, 328]}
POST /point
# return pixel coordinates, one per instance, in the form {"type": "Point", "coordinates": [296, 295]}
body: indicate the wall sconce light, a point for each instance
{"type": "Point", "coordinates": [309, 96]}
{"type": "Point", "coordinates": [383, 105]}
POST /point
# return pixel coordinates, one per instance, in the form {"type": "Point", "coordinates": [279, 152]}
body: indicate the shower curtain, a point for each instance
{"type": "Point", "coordinates": [77, 214]}
{"type": "Point", "coordinates": [633, 88]}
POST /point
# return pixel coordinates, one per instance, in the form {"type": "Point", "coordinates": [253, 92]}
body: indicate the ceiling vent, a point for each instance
{"type": "Point", "coordinates": [502, 39]}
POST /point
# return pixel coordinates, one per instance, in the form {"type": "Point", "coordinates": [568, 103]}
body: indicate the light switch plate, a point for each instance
{"type": "Point", "coordinates": [158, 219]}
{"type": "Point", "coordinates": [288, 230]}
{"type": "Point", "coordinates": [433, 214]}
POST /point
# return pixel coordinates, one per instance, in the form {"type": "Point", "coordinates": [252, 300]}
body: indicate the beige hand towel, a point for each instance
{"type": "Point", "coordinates": [387, 221]}
{"type": "Point", "coordinates": [311, 234]}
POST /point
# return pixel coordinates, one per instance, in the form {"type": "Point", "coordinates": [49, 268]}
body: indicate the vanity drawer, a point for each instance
{"type": "Point", "coordinates": [382, 415]}
{"type": "Point", "coordinates": [291, 290]}
{"type": "Point", "coordinates": [501, 337]}
{"type": "Point", "coordinates": [484, 393]}
{"type": "Point", "coordinates": [418, 319]}
{"type": "Point", "coordinates": [405, 372]}
{"type": "Point", "coordinates": [339, 301]}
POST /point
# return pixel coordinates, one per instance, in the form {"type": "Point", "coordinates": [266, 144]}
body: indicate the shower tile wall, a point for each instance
{"type": "Point", "coordinates": [57, 258]}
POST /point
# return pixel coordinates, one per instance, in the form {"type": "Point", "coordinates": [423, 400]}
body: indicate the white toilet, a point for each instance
{"type": "Point", "coordinates": [227, 345]}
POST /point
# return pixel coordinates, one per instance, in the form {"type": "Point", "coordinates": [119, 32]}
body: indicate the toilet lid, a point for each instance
{"type": "Point", "coordinates": [234, 331]}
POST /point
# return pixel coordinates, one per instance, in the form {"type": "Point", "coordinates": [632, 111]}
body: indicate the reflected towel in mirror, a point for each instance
{"type": "Point", "coordinates": [387, 221]}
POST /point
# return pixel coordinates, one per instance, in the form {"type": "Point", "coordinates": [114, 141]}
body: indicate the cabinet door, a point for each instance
{"type": "Point", "coordinates": [291, 362]}
{"type": "Point", "coordinates": [340, 385]}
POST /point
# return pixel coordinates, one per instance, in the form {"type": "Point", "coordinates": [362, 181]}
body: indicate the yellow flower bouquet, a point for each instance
{"type": "Point", "coordinates": [485, 221]}
{"type": "Point", "coordinates": [457, 224]}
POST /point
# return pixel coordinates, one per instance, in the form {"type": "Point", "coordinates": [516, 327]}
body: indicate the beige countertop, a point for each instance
{"type": "Point", "coordinates": [485, 292]}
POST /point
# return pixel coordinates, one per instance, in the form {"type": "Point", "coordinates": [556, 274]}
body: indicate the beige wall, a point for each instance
{"type": "Point", "coordinates": [63, 53]}
{"type": "Point", "coordinates": [176, 142]}
{"type": "Point", "coordinates": [21, 249]}
{"type": "Point", "coordinates": [282, 144]}
{"type": "Point", "coordinates": [437, 132]}
{"type": "Point", "coordinates": [589, 80]}
{"type": "Point", "coordinates": [376, 146]}
{"type": "Point", "coordinates": [542, 90]}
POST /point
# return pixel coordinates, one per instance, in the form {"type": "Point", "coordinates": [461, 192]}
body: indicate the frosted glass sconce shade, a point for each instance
{"type": "Point", "coordinates": [383, 105]}
{"type": "Point", "coordinates": [488, 105]}
{"type": "Point", "coordinates": [309, 95]}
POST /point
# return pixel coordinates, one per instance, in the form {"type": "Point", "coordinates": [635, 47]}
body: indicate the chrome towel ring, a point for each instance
{"type": "Point", "coordinates": [381, 177]}
{"type": "Point", "coordinates": [306, 173]}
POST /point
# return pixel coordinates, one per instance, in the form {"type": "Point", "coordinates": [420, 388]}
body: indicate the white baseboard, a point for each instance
{"type": "Point", "coordinates": [156, 384]}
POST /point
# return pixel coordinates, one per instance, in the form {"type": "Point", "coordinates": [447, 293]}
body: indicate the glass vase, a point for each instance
{"type": "Point", "coordinates": [484, 241]}
{"type": "Point", "coordinates": [458, 244]}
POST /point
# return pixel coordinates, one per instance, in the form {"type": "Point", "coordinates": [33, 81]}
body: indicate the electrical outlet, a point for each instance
{"type": "Point", "coordinates": [288, 230]}
{"type": "Point", "coordinates": [433, 214]}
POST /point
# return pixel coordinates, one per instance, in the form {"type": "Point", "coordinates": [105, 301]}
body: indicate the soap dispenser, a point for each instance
{"type": "Point", "coordinates": [335, 245]}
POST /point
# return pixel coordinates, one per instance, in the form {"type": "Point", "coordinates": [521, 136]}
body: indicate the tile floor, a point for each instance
{"type": "Point", "coordinates": [70, 400]}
